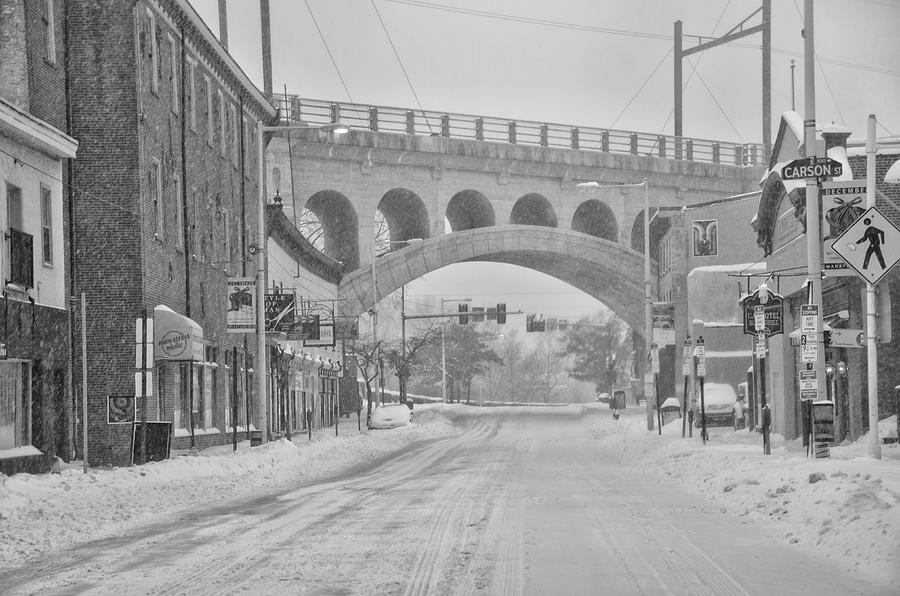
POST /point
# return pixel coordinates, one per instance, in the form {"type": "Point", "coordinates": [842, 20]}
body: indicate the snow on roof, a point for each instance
{"type": "Point", "coordinates": [738, 268]}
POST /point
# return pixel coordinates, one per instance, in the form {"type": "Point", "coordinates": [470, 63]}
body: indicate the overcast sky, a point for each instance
{"type": "Point", "coordinates": [597, 63]}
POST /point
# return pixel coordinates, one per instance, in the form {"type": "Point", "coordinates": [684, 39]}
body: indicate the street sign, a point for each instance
{"type": "Point", "coordinates": [812, 167]}
{"type": "Point", "coordinates": [871, 245]}
{"type": "Point", "coordinates": [687, 358]}
{"type": "Point", "coordinates": [842, 204]}
{"type": "Point", "coordinates": [808, 384]}
{"type": "Point", "coordinates": [809, 347]}
{"type": "Point", "coordinates": [809, 318]}
{"type": "Point", "coordinates": [848, 338]}
{"type": "Point", "coordinates": [700, 351]}
{"type": "Point", "coordinates": [654, 358]}
{"type": "Point", "coordinates": [759, 317]}
{"type": "Point", "coordinates": [761, 345]}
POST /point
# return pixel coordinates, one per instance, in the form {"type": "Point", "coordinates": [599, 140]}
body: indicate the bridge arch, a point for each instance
{"type": "Point", "coordinates": [469, 209]}
{"type": "Point", "coordinates": [597, 219]}
{"type": "Point", "coordinates": [606, 270]}
{"type": "Point", "coordinates": [533, 209]}
{"type": "Point", "coordinates": [340, 225]}
{"type": "Point", "coordinates": [405, 214]}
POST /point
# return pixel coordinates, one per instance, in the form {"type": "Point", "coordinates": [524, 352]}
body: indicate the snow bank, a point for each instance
{"type": "Point", "coordinates": [846, 507]}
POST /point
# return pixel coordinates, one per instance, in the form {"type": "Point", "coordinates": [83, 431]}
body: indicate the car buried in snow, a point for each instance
{"type": "Point", "coordinates": [390, 416]}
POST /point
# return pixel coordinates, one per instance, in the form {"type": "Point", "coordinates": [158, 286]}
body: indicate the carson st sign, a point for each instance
{"type": "Point", "coordinates": [812, 167]}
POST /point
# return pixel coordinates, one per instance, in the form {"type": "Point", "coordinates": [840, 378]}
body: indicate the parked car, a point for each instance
{"type": "Point", "coordinates": [718, 400]}
{"type": "Point", "coordinates": [603, 398]}
{"type": "Point", "coordinates": [390, 416]}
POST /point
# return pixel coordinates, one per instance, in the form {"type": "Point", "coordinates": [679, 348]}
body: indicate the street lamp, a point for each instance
{"type": "Point", "coordinates": [648, 297]}
{"type": "Point", "coordinates": [375, 244]}
{"type": "Point", "coordinates": [336, 128]}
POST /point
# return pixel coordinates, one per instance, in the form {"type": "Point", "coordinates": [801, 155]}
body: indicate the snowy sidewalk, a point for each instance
{"type": "Point", "coordinates": [845, 508]}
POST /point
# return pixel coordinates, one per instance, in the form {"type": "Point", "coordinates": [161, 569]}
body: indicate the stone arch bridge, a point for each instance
{"type": "Point", "coordinates": [471, 195]}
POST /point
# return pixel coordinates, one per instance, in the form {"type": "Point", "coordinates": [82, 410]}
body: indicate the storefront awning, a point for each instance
{"type": "Point", "coordinates": [175, 336]}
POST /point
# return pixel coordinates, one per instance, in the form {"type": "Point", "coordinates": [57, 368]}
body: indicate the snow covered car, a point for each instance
{"type": "Point", "coordinates": [390, 416]}
{"type": "Point", "coordinates": [718, 400]}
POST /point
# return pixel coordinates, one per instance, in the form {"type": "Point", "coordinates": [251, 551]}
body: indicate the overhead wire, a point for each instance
{"type": "Point", "coordinates": [622, 32]}
{"type": "Point", "coordinates": [721, 109]}
{"type": "Point", "coordinates": [400, 62]}
{"type": "Point", "coordinates": [328, 49]}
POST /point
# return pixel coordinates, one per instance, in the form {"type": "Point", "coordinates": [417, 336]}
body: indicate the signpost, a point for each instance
{"type": "Point", "coordinates": [812, 167]}
{"type": "Point", "coordinates": [701, 372]}
{"type": "Point", "coordinates": [687, 361]}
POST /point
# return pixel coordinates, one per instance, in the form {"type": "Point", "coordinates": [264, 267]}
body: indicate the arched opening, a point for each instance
{"type": "Point", "coordinates": [469, 209]}
{"type": "Point", "coordinates": [533, 210]}
{"type": "Point", "coordinates": [337, 231]}
{"type": "Point", "coordinates": [404, 214]}
{"type": "Point", "coordinates": [597, 219]}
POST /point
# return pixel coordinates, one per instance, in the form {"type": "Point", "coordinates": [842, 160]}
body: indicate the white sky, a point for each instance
{"type": "Point", "coordinates": [594, 67]}
{"type": "Point", "coordinates": [850, 517]}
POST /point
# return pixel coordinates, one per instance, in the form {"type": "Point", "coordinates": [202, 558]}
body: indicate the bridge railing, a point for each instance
{"type": "Point", "coordinates": [521, 132]}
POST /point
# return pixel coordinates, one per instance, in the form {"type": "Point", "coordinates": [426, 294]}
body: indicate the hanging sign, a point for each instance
{"type": "Point", "coordinates": [842, 203]}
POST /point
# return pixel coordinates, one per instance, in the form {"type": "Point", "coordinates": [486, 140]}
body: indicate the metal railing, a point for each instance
{"type": "Point", "coordinates": [293, 109]}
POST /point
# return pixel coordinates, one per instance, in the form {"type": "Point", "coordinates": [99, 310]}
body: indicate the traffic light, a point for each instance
{"type": "Point", "coordinates": [501, 314]}
{"type": "Point", "coordinates": [463, 319]}
{"type": "Point", "coordinates": [826, 337]}
{"type": "Point", "coordinates": [529, 323]}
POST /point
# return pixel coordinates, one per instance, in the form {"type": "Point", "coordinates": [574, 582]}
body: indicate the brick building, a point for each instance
{"type": "Point", "coordinates": [164, 195]}
{"type": "Point", "coordinates": [35, 412]}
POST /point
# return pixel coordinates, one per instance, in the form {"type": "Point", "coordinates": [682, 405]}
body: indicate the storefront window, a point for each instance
{"type": "Point", "coordinates": [14, 428]}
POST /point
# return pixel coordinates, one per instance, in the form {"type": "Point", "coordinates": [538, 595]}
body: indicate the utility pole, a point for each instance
{"type": "Point", "coordinates": [813, 216]}
{"type": "Point", "coordinates": [735, 33]}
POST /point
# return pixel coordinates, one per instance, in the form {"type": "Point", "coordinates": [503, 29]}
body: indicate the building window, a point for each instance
{"type": "Point", "coordinates": [190, 93]}
{"type": "Point", "coordinates": [46, 226]}
{"type": "Point", "coordinates": [173, 73]}
{"type": "Point", "coordinates": [209, 111]}
{"type": "Point", "coordinates": [226, 228]}
{"type": "Point", "coordinates": [153, 47]}
{"type": "Point", "coordinates": [195, 225]}
{"type": "Point", "coordinates": [21, 251]}
{"type": "Point", "coordinates": [179, 214]}
{"type": "Point", "coordinates": [223, 125]}
{"type": "Point", "coordinates": [49, 31]}
{"type": "Point", "coordinates": [235, 136]}
{"type": "Point", "coordinates": [156, 196]}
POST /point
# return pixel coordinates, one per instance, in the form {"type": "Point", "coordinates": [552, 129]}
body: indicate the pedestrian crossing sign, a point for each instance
{"type": "Point", "coordinates": [871, 245]}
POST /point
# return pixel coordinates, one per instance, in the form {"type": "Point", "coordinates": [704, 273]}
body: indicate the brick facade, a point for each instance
{"type": "Point", "coordinates": [153, 200]}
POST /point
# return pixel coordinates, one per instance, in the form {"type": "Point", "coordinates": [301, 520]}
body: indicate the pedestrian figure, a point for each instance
{"type": "Point", "coordinates": [876, 239]}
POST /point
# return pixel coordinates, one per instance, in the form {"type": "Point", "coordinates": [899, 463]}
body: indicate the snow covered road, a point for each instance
{"type": "Point", "coordinates": [514, 502]}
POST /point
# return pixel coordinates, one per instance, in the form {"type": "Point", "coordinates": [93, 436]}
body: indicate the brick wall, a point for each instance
{"type": "Point", "coordinates": [124, 127]}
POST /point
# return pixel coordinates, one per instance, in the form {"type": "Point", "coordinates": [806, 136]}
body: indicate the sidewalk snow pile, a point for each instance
{"type": "Point", "coordinates": [846, 507]}
{"type": "Point", "coordinates": [39, 513]}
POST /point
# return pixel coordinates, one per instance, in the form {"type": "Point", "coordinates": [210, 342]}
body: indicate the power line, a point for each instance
{"type": "Point", "coordinates": [400, 62]}
{"type": "Point", "coordinates": [641, 88]}
{"type": "Point", "coordinates": [721, 109]}
{"type": "Point", "coordinates": [622, 32]}
{"type": "Point", "coordinates": [327, 49]}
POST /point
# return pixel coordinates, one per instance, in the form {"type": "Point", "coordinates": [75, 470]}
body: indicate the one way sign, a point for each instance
{"type": "Point", "coordinates": [871, 245]}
